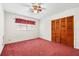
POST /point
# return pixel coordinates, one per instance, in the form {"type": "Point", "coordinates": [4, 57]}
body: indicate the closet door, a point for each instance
{"type": "Point", "coordinates": [63, 32]}
{"type": "Point", "coordinates": [53, 31]}
{"type": "Point", "coordinates": [70, 31]}
{"type": "Point", "coordinates": [57, 30]}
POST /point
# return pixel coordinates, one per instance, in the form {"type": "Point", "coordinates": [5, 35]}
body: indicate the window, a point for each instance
{"type": "Point", "coordinates": [24, 24]}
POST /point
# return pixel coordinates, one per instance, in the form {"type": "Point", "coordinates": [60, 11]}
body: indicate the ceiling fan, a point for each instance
{"type": "Point", "coordinates": [35, 7]}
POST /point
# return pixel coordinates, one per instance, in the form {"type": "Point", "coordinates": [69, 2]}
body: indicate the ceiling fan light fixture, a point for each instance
{"type": "Point", "coordinates": [36, 8]}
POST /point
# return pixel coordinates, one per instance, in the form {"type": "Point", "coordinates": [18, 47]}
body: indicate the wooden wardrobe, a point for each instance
{"type": "Point", "coordinates": [63, 31]}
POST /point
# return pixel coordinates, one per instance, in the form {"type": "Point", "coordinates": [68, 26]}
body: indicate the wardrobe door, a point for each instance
{"type": "Point", "coordinates": [70, 31]}
{"type": "Point", "coordinates": [63, 31]}
{"type": "Point", "coordinates": [53, 30]}
{"type": "Point", "coordinates": [57, 35]}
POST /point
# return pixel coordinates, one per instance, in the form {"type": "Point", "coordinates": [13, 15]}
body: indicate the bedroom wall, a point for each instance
{"type": "Point", "coordinates": [45, 25]}
{"type": "Point", "coordinates": [1, 27]}
{"type": "Point", "coordinates": [14, 35]}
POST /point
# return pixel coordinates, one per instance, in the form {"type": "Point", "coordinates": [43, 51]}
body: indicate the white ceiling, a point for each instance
{"type": "Point", "coordinates": [50, 9]}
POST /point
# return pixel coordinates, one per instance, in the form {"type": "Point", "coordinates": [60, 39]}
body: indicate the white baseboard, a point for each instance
{"type": "Point", "coordinates": [1, 48]}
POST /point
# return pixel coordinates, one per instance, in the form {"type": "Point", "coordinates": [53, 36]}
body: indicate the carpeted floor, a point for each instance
{"type": "Point", "coordinates": [37, 47]}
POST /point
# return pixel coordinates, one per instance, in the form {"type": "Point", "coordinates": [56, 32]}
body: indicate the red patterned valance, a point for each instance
{"type": "Point", "coordinates": [23, 21]}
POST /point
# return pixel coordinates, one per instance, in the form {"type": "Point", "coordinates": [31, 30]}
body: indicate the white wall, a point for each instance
{"type": "Point", "coordinates": [14, 35]}
{"type": "Point", "coordinates": [1, 28]}
{"type": "Point", "coordinates": [45, 25]}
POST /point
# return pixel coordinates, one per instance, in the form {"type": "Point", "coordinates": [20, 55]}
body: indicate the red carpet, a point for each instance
{"type": "Point", "coordinates": [37, 47]}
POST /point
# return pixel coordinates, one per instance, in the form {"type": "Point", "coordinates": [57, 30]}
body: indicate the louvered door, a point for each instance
{"type": "Point", "coordinates": [70, 31]}
{"type": "Point", "coordinates": [57, 31]}
{"type": "Point", "coordinates": [63, 31]}
{"type": "Point", "coordinates": [53, 31]}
